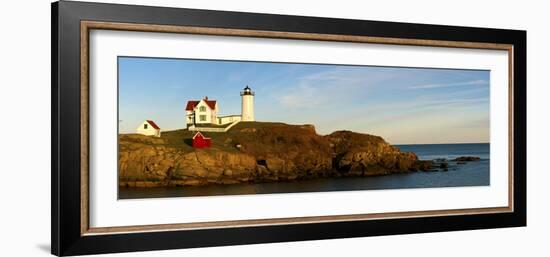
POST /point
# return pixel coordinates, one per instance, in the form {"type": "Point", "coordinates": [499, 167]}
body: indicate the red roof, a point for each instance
{"type": "Point", "coordinates": [200, 135]}
{"type": "Point", "coordinates": [191, 104]}
{"type": "Point", "coordinates": [153, 124]}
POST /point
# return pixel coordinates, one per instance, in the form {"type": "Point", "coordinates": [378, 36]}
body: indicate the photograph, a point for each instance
{"type": "Point", "coordinates": [198, 127]}
{"type": "Point", "coordinates": [177, 127]}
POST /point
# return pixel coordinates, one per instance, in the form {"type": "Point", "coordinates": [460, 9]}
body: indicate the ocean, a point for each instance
{"type": "Point", "coordinates": [474, 173]}
{"type": "Point", "coordinates": [447, 151]}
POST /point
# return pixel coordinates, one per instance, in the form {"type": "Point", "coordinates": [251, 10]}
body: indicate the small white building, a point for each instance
{"type": "Point", "coordinates": [149, 128]}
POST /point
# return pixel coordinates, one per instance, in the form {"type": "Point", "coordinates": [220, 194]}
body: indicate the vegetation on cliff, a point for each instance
{"type": "Point", "coordinates": [258, 152]}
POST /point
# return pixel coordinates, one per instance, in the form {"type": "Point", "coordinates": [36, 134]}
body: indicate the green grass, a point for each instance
{"type": "Point", "coordinates": [227, 141]}
{"type": "Point", "coordinates": [258, 137]}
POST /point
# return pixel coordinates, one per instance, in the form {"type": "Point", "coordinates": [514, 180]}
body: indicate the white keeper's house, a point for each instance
{"type": "Point", "coordinates": [202, 115]}
{"type": "Point", "coordinates": [148, 128]}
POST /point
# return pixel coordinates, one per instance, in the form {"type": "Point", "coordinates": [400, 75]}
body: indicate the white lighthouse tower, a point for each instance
{"type": "Point", "coordinates": [247, 110]}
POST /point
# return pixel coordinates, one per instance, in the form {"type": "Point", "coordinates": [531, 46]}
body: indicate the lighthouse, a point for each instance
{"type": "Point", "coordinates": [247, 110]}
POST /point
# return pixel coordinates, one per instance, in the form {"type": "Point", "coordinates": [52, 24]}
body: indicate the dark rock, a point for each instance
{"type": "Point", "coordinates": [424, 165]}
{"type": "Point", "coordinates": [466, 159]}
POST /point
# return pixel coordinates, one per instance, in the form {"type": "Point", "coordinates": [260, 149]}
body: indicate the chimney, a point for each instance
{"type": "Point", "coordinates": [206, 98]}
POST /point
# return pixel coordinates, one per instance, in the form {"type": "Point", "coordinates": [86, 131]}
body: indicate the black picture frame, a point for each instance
{"type": "Point", "coordinates": [66, 234]}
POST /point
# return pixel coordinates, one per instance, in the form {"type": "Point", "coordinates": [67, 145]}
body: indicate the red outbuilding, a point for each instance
{"type": "Point", "coordinates": [200, 141]}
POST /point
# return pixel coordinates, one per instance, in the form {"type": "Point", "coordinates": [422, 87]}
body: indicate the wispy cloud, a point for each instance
{"type": "Point", "coordinates": [456, 84]}
{"type": "Point", "coordinates": [319, 89]}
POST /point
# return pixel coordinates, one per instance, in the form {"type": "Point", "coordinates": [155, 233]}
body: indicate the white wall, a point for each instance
{"type": "Point", "coordinates": [229, 119]}
{"type": "Point", "coordinates": [208, 113]}
{"type": "Point", "coordinates": [25, 101]}
{"type": "Point", "coordinates": [149, 131]}
{"type": "Point", "coordinates": [247, 108]}
{"type": "Point", "coordinates": [188, 117]}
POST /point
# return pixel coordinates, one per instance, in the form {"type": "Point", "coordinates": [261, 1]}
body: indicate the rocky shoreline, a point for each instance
{"type": "Point", "coordinates": [262, 152]}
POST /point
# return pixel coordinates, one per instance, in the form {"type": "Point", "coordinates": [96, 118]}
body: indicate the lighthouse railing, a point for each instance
{"type": "Point", "coordinates": [247, 93]}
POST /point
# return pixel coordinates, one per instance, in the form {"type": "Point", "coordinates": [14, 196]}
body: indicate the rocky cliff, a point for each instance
{"type": "Point", "coordinates": [259, 152]}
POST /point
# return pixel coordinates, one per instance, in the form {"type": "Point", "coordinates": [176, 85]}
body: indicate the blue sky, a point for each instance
{"type": "Point", "coordinates": [403, 105]}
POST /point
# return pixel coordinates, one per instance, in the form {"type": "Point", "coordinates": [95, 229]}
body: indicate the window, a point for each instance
{"type": "Point", "coordinates": [144, 126]}
{"type": "Point", "coordinates": [202, 117]}
{"type": "Point", "coordinates": [202, 109]}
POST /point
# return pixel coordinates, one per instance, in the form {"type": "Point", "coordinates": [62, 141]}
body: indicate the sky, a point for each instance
{"type": "Point", "coordinates": [403, 105]}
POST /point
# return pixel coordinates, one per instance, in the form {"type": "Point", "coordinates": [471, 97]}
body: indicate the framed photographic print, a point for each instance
{"type": "Point", "coordinates": [178, 128]}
